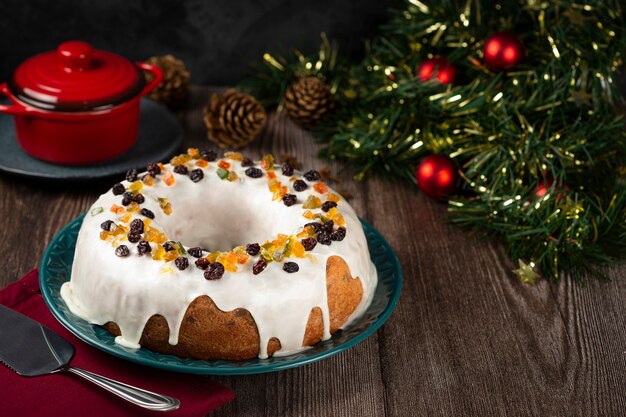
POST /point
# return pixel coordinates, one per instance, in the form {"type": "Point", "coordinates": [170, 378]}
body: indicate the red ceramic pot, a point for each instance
{"type": "Point", "coordinates": [77, 105]}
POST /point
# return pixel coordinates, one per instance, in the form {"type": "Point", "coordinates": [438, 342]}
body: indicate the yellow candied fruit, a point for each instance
{"type": "Point", "coordinates": [333, 197]}
{"type": "Point", "coordinates": [171, 255]}
{"type": "Point", "coordinates": [229, 266]}
{"type": "Point", "coordinates": [148, 180]}
{"type": "Point", "coordinates": [181, 159]}
{"type": "Point", "coordinates": [202, 163]}
{"type": "Point", "coordinates": [335, 216]}
{"type": "Point", "coordinates": [297, 249]}
{"type": "Point", "coordinates": [193, 152]}
{"type": "Point", "coordinates": [168, 178]}
{"type": "Point", "coordinates": [280, 240]}
{"type": "Point", "coordinates": [133, 207]}
{"type": "Point", "coordinates": [165, 206]}
{"type": "Point", "coordinates": [125, 218]}
{"type": "Point", "coordinates": [267, 162]}
{"type": "Point", "coordinates": [308, 214]}
{"type": "Point", "coordinates": [135, 187]}
{"type": "Point", "coordinates": [293, 179]}
{"type": "Point", "coordinates": [320, 187]}
{"type": "Point", "coordinates": [284, 190]}
{"type": "Point", "coordinates": [231, 257]}
{"type": "Point", "coordinates": [159, 253]}
{"type": "Point", "coordinates": [212, 257]}
{"type": "Point", "coordinates": [224, 164]}
{"type": "Point", "coordinates": [235, 156]}
{"type": "Point", "coordinates": [105, 234]}
{"type": "Point", "coordinates": [242, 258]}
{"type": "Point", "coordinates": [312, 202]}
{"type": "Point", "coordinates": [120, 230]}
{"type": "Point", "coordinates": [117, 209]}
{"type": "Point", "coordinates": [154, 235]}
{"type": "Point", "coordinates": [308, 231]}
{"type": "Point", "coordinates": [232, 176]}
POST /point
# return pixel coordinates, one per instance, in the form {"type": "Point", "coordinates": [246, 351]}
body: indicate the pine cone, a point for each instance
{"type": "Point", "coordinates": [233, 119]}
{"type": "Point", "coordinates": [174, 88]}
{"type": "Point", "coordinates": [307, 100]}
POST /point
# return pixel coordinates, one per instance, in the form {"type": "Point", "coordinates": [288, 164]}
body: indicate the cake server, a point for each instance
{"type": "Point", "coordinates": [30, 349]}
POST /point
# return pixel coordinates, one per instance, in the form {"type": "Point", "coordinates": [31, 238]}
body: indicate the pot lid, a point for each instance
{"type": "Point", "coordinates": [76, 77]}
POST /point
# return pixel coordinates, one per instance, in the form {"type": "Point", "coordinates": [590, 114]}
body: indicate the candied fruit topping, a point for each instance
{"type": "Point", "coordinates": [125, 218]}
{"type": "Point", "coordinates": [133, 207]}
{"type": "Point", "coordinates": [135, 187]}
{"type": "Point", "coordinates": [148, 180]}
{"type": "Point", "coordinates": [122, 251]}
{"type": "Point", "coordinates": [168, 178]}
{"type": "Point", "coordinates": [181, 170]}
{"type": "Point", "coordinates": [232, 176]}
{"type": "Point", "coordinates": [96, 210]}
{"type": "Point", "coordinates": [267, 162]}
{"type": "Point", "coordinates": [259, 266]}
{"type": "Point", "coordinates": [222, 173]}
{"type": "Point", "coordinates": [328, 205]}
{"type": "Point", "coordinates": [180, 160]}
{"type": "Point", "coordinates": [235, 156]}
{"type": "Point", "coordinates": [202, 163]}
{"type": "Point", "coordinates": [165, 206]}
{"type": "Point", "coordinates": [105, 234]}
{"type": "Point", "coordinates": [312, 175]}
{"type": "Point", "coordinates": [334, 214]}
{"type": "Point", "coordinates": [143, 247]}
{"type": "Point", "coordinates": [308, 214]}
{"type": "Point", "coordinates": [181, 263]}
{"type": "Point", "coordinates": [193, 152]}
{"type": "Point", "coordinates": [290, 267]}
{"type": "Point", "coordinates": [300, 185]}
{"type": "Point", "coordinates": [333, 197]}
{"type": "Point", "coordinates": [214, 271]}
{"type": "Point", "coordinates": [224, 164]}
{"type": "Point", "coordinates": [147, 213]}
{"type": "Point", "coordinates": [271, 175]}
{"type": "Point", "coordinates": [156, 236]}
{"type": "Point", "coordinates": [118, 189]}
{"type": "Point", "coordinates": [297, 249]}
{"type": "Point", "coordinates": [312, 202]}
{"type": "Point", "coordinates": [196, 175]}
{"type": "Point", "coordinates": [320, 187]}
{"type": "Point", "coordinates": [254, 172]}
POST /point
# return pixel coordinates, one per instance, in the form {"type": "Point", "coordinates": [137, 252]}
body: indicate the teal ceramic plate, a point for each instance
{"type": "Point", "coordinates": [56, 267]}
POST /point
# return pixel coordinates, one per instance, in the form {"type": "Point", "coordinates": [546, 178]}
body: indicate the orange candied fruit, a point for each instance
{"type": "Point", "coordinates": [271, 175]}
{"type": "Point", "coordinates": [105, 234]}
{"type": "Point", "coordinates": [223, 164]}
{"type": "Point", "coordinates": [193, 152]}
{"type": "Point", "coordinates": [267, 162]}
{"type": "Point", "coordinates": [333, 197]}
{"type": "Point", "coordinates": [148, 180]}
{"type": "Point", "coordinates": [168, 178]}
{"type": "Point", "coordinates": [297, 249]}
{"type": "Point", "coordinates": [181, 159]}
{"type": "Point", "coordinates": [154, 235]}
{"type": "Point", "coordinates": [320, 187]}
{"type": "Point", "coordinates": [125, 218]}
{"type": "Point", "coordinates": [235, 156]}
{"type": "Point", "coordinates": [133, 207]}
{"type": "Point", "coordinates": [334, 215]}
{"type": "Point", "coordinates": [308, 214]}
{"type": "Point", "coordinates": [232, 176]}
{"type": "Point", "coordinates": [312, 202]}
{"type": "Point", "coordinates": [202, 163]}
{"type": "Point", "coordinates": [117, 209]}
{"type": "Point", "coordinates": [161, 166]}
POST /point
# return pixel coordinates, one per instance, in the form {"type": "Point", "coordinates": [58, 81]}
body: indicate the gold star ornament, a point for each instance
{"type": "Point", "coordinates": [526, 273]}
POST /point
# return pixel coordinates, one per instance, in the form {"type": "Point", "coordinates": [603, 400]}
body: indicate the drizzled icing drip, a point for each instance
{"type": "Point", "coordinates": [216, 214]}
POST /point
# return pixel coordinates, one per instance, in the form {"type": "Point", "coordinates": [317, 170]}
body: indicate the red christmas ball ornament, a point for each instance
{"type": "Point", "coordinates": [437, 67]}
{"type": "Point", "coordinates": [545, 186]}
{"type": "Point", "coordinates": [503, 51]}
{"type": "Point", "coordinates": [437, 176]}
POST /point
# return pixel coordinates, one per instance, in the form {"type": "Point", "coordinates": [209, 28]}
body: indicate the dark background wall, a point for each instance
{"type": "Point", "coordinates": [217, 39]}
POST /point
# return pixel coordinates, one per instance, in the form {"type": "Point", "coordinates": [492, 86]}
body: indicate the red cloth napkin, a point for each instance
{"type": "Point", "coordinates": [67, 395]}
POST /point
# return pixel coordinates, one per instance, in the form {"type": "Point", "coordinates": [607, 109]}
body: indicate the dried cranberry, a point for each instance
{"type": "Point", "coordinates": [118, 189]}
{"type": "Point", "coordinates": [253, 249]}
{"type": "Point", "coordinates": [289, 199]}
{"type": "Point", "coordinates": [324, 238]}
{"type": "Point", "coordinates": [338, 234]}
{"type": "Point", "coordinates": [147, 213]}
{"type": "Point", "coordinates": [312, 175]}
{"type": "Point", "coordinates": [143, 247]}
{"type": "Point", "coordinates": [291, 267]}
{"type": "Point", "coordinates": [202, 263]}
{"type": "Point", "coordinates": [136, 226]}
{"type": "Point", "coordinates": [196, 175]}
{"type": "Point", "coordinates": [299, 185]}
{"type": "Point", "coordinates": [106, 225]}
{"type": "Point", "coordinates": [196, 252]}
{"type": "Point", "coordinates": [328, 205]}
{"type": "Point", "coordinates": [127, 198]}
{"type": "Point", "coordinates": [254, 172]}
{"type": "Point", "coordinates": [139, 198]}
{"type": "Point", "coordinates": [214, 271]}
{"type": "Point", "coordinates": [181, 263]}
{"type": "Point", "coordinates": [259, 266]}
{"type": "Point", "coordinates": [309, 243]}
{"type": "Point", "coordinates": [131, 175]}
{"type": "Point", "coordinates": [287, 169]}
{"type": "Point", "coordinates": [328, 226]}
{"type": "Point", "coordinates": [122, 251]}
{"type": "Point", "coordinates": [208, 155]}
{"type": "Point", "coordinates": [133, 237]}
{"type": "Point", "coordinates": [247, 162]}
{"type": "Point", "coordinates": [153, 169]}
{"type": "Point", "coordinates": [181, 169]}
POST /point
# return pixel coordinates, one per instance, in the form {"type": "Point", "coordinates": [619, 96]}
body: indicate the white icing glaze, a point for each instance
{"type": "Point", "coordinates": [217, 215]}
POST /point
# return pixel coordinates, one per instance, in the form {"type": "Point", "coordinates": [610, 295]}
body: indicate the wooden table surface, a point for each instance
{"type": "Point", "coordinates": [467, 339]}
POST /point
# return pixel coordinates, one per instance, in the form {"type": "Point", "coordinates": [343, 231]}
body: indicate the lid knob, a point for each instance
{"type": "Point", "coordinates": [75, 55]}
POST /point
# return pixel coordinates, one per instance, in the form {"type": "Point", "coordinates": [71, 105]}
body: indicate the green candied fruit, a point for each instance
{"type": "Point", "coordinates": [222, 173]}
{"type": "Point", "coordinates": [96, 210]}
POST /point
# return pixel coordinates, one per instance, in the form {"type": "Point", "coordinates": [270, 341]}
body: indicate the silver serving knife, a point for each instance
{"type": "Point", "coordinates": [30, 349]}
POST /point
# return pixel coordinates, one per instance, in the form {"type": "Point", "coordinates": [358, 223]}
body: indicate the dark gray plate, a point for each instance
{"type": "Point", "coordinates": [160, 136]}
